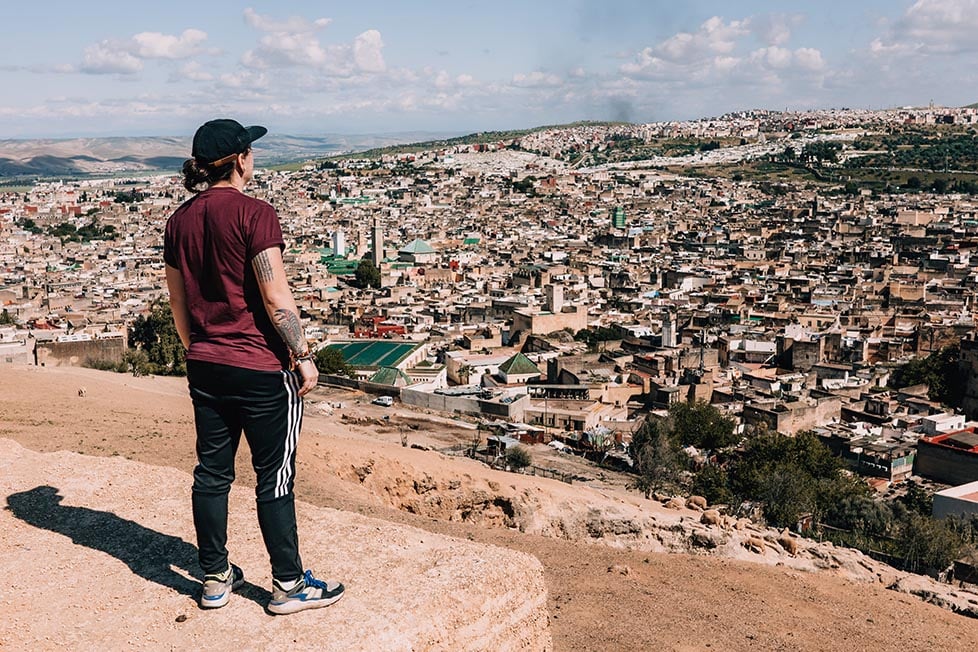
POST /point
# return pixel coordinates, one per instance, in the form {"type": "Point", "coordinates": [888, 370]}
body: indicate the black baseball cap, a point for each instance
{"type": "Point", "coordinates": [218, 141]}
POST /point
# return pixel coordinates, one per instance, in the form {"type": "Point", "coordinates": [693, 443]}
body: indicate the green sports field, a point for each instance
{"type": "Point", "coordinates": [374, 353]}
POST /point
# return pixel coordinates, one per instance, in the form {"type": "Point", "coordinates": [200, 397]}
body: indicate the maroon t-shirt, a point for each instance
{"type": "Point", "coordinates": [211, 239]}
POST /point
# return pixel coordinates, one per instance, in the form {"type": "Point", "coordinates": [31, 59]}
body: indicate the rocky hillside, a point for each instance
{"type": "Point", "coordinates": [621, 572]}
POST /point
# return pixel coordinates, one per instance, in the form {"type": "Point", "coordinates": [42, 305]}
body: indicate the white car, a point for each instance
{"type": "Point", "coordinates": [386, 401]}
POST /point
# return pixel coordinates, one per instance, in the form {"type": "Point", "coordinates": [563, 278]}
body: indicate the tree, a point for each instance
{"type": "Point", "coordinates": [157, 336]}
{"type": "Point", "coordinates": [136, 362]}
{"type": "Point", "coordinates": [711, 482]}
{"type": "Point", "coordinates": [787, 494]}
{"type": "Point", "coordinates": [367, 274]}
{"type": "Point", "coordinates": [927, 544]}
{"type": "Point", "coordinates": [791, 476]}
{"type": "Point", "coordinates": [6, 319]}
{"type": "Point", "coordinates": [702, 425]}
{"type": "Point", "coordinates": [656, 456]}
{"type": "Point", "coordinates": [518, 458]}
{"type": "Point", "coordinates": [916, 499]}
{"type": "Point", "coordinates": [941, 373]}
{"type": "Point", "coordinates": [821, 152]}
{"type": "Point", "coordinates": [863, 515]}
{"type": "Point", "coordinates": [331, 361]}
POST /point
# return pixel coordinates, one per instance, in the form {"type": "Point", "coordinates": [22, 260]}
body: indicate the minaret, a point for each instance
{"type": "Point", "coordinates": [378, 242]}
{"type": "Point", "coordinates": [363, 244]}
{"type": "Point", "coordinates": [668, 331]}
{"type": "Point", "coordinates": [555, 298]}
{"type": "Point", "coordinates": [339, 244]}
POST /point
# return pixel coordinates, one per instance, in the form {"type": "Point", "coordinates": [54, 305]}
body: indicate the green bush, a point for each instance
{"type": "Point", "coordinates": [518, 458]}
{"type": "Point", "coordinates": [331, 361]}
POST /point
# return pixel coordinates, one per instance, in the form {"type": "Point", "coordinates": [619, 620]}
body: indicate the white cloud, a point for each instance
{"type": "Point", "coordinates": [126, 57]}
{"type": "Point", "coordinates": [243, 79]}
{"type": "Point", "coordinates": [442, 80]}
{"type": "Point", "coordinates": [690, 53]}
{"type": "Point", "coordinates": [721, 56]}
{"type": "Point", "coordinates": [536, 79]}
{"type": "Point", "coordinates": [193, 71]}
{"type": "Point", "coordinates": [773, 57]}
{"type": "Point", "coordinates": [293, 24]}
{"type": "Point", "coordinates": [368, 51]}
{"type": "Point", "coordinates": [294, 42]}
{"type": "Point", "coordinates": [783, 59]}
{"type": "Point", "coordinates": [713, 37]}
{"type": "Point", "coordinates": [932, 27]}
{"type": "Point", "coordinates": [724, 64]}
{"type": "Point", "coordinates": [646, 64]}
{"type": "Point", "coordinates": [291, 42]}
{"type": "Point", "coordinates": [774, 29]}
{"type": "Point", "coordinates": [108, 58]}
{"type": "Point", "coordinates": [809, 59]}
{"type": "Point", "coordinates": [154, 45]}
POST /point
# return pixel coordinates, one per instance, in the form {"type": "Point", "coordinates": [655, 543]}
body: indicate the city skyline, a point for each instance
{"type": "Point", "coordinates": [308, 68]}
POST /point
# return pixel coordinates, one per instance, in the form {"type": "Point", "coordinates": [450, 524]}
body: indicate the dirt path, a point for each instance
{"type": "Point", "coordinates": [600, 598]}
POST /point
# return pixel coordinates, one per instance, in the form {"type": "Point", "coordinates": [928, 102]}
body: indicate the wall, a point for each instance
{"type": "Point", "coordinates": [17, 352]}
{"type": "Point", "coordinates": [74, 354]}
{"type": "Point", "coordinates": [804, 355]}
{"type": "Point", "coordinates": [466, 405]}
{"type": "Point", "coordinates": [944, 464]}
{"type": "Point", "coordinates": [789, 421]}
{"type": "Point", "coordinates": [953, 506]}
{"type": "Point", "coordinates": [969, 365]}
{"type": "Point", "coordinates": [543, 323]}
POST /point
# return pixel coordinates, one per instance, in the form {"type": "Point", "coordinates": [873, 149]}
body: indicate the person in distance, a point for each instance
{"type": "Point", "coordinates": [248, 363]}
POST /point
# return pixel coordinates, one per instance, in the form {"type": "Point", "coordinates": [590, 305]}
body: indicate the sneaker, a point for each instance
{"type": "Point", "coordinates": [217, 588]}
{"type": "Point", "coordinates": [308, 593]}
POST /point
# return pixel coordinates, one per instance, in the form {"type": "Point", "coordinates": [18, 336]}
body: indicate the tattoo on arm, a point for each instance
{"type": "Point", "coordinates": [288, 326]}
{"type": "Point", "coordinates": [263, 267]}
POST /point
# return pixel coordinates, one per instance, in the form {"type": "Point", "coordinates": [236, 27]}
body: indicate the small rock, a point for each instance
{"type": "Point", "coordinates": [182, 618]}
{"type": "Point", "coordinates": [621, 569]}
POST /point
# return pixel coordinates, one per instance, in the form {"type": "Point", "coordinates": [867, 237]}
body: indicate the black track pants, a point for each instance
{"type": "Point", "coordinates": [266, 405]}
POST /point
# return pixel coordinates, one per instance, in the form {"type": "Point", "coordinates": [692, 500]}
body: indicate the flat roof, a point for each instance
{"type": "Point", "coordinates": [967, 440]}
{"type": "Point", "coordinates": [967, 491]}
{"type": "Point", "coordinates": [374, 353]}
{"type": "Point", "coordinates": [964, 440]}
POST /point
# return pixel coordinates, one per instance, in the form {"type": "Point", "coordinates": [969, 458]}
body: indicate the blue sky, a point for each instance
{"type": "Point", "coordinates": [107, 68]}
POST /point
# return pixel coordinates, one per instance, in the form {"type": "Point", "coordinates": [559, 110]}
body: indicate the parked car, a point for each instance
{"type": "Point", "coordinates": [386, 401]}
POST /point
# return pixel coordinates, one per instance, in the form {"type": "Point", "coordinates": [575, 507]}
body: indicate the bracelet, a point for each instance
{"type": "Point", "coordinates": [308, 355]}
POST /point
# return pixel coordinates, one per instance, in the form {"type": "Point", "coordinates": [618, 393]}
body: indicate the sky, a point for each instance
{"type": "Point", "coordinates": [114, 68]}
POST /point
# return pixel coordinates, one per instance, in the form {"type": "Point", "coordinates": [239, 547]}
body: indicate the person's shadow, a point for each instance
{"type": "Point", "coordinates": [148, 553]}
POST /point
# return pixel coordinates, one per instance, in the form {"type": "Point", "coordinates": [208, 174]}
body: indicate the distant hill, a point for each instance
{"type": "Point", "coordinates": [970, 106]}
{"type": "Point", "coordinates": [86, 157]}
{"type": "Point", "coordinates": [470, 139]}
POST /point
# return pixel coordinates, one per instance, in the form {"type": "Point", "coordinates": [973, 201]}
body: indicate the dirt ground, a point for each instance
{"type": "Point", "coordinates": [600, 598]}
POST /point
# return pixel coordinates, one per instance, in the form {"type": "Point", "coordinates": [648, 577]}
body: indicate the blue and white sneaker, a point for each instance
{"type": "Point", "coordinates": [306, 593]}
{"type": "Point", "coordinates": [217, 588]}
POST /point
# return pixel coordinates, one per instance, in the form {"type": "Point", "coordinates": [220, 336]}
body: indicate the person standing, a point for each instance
{"type": "Point", "coordinates": [248, 363]}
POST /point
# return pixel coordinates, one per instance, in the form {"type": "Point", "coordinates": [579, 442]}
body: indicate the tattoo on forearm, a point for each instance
{"type": "Point", "coordinates": [263, 267]}
{"type": "Point", "coordinates": [288, 326]}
